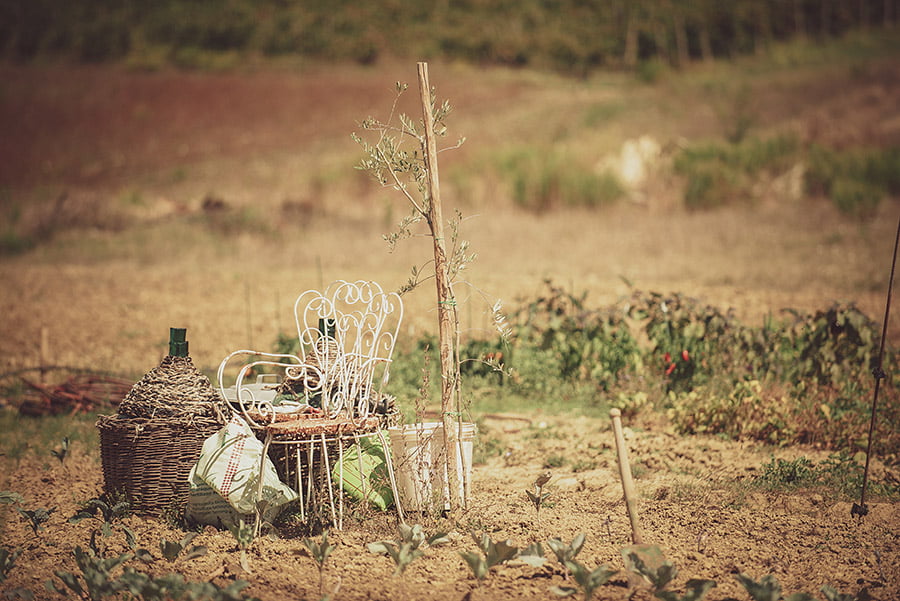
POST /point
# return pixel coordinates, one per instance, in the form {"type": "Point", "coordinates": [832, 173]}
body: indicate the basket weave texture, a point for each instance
{"type": "Point", "coordinates": [149, 447]}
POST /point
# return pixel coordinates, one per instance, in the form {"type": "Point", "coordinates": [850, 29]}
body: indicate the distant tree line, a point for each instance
{"type": "Point", "coordinates": [569, 35]}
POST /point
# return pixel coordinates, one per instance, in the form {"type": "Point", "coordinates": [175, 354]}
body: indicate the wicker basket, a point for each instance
{"type": "Point", "coordinates": [148, 448]}
{"type": "Point", "coordinates": [148, 460]}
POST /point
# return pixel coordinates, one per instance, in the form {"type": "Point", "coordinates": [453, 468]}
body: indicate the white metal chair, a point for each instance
{"type": "Point", "coordinates": [330, 395]}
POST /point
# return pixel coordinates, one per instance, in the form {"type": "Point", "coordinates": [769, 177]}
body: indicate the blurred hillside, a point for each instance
{"type": "Point", "coordinates": [571, 36]}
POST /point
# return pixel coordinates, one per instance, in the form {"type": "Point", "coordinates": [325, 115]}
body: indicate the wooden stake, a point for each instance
{"type": "Point", "coordinates": [446, 301]}
{"type": "Point", "coordinates": [44, 353]}
{"type": "Point", "coordinates": [625, 473]}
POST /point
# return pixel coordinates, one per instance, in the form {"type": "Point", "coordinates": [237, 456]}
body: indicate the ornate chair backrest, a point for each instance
{"type": "Point", "coordinates": [347, 333]}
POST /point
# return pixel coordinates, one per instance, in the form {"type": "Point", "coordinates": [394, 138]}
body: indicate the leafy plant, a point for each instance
{"type": "Point", "coordinates": [588, 580]}
{"type": "Point", "coordinates": [532, 555]}
{"type": "Point", "coordinates": [7, 561]}
{"type": "Point", "coordinates": [61, 451]}
{"type": "Point", "coordinates": [172, 550]}
{"type": "Point", "coordinates": [96, 580]}
{"type": "Point", "coordinates": [244, 535]}
{"type": "Point", "coordinates": [662, 575]}
{"type": "Point", "coordinates": [783, 472]}
{"type": "Point", "coordinates": [319, 551]}
{"type": "Point", "coordinates": [10, 498]}
{"type": "Point", "coordinates": [409, 547]}
{"type": "Point", "coordinates": [567, 551]}
{"type": "Point", "coordinates": [491, 555]}
{"type": "Point", "coordinates": [538, 497]}
{"type": "Point", "coordinates": [659, 576]}
{"type": "Point", "coordinates": [831, 594]}
{"type": "Point", "coordinates": [36, 517]}
{"type": "Point", "coordinates": [768, 589]}
{"type": "Point", "coordinates": [109, 516]}
{"type": "Point", "coordinates": [174, 587]}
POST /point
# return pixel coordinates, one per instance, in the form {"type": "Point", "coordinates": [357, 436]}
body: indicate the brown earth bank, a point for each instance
{"type": "Point", "coordinates": [697, 502]}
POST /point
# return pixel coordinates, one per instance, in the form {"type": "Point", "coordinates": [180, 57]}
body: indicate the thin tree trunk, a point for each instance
{"type": "Point", "coordinates": [446, 300]}
{"type": "Point", "coordinates": [681, 42]}
{"type": "Point", "coordinates": [629, 59]}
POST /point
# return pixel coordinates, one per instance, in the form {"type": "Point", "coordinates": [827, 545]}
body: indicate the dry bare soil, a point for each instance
{"type": "Point", "coordinates": [129, 158]}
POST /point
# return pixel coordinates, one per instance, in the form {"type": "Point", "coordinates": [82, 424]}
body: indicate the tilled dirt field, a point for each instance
{"type": "Point", "coordinates": [696, 502]}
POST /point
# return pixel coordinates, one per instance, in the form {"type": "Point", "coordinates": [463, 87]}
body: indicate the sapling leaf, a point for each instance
{"type": "Point", "coordinates": [831, 594]}
{"type": "Point", "coordinates": [659, 577]}
{"type": "Point", "coordinates": [563, 591]}
{"type": "Point", "coordinates": [695, 590]}
{"type": "Point", "coordinates": [532, 555]}
{"type": "Point", "coordinates": [36, 517]}
{"type": "Point", "coordinates": [62, 450]}
{"type": "Point", "coordinates": [500, 552]}
{"type": "Point", "coordinates": [7, 561]}
{"type": "Point", "coordinates": [437, 539]}
{"type": "Point", "coordinates": [767, 589]}
{"type": "Point", "coordinates": [800, 597]}
{"type": "Point", "coordinates": [567, 552]}
{"type": "Point", "coordinates": [379, 548]}
{"type": "Point", "coordinates": [588, 580]}
{"type": "Point", "coordinates": [143, 555]}
{"type": "Point", "coordinates": [476, 563]}
{"type": "Point", "coordinates": [170, 550]}
{"type": "Point", "coordinates": [8, 498]}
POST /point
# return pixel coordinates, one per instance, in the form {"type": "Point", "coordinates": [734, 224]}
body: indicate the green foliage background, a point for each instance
{"type": "Point", "coordinates": [573, 36]}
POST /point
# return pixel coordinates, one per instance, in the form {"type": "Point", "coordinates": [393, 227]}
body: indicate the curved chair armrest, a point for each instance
{"type": "Point", "coordinates": [257, 412]}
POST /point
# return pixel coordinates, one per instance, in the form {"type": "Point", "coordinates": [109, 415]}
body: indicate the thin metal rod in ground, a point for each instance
{"type": "Point", "coordinates": [625, 473]}
{"type": "Point", "coordinates": [878, 372]}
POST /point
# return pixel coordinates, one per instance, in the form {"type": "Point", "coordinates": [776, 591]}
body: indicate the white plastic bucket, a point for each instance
{"type": "Point", "coordinates": [418, 456]}
{"type": "Point", "coordinates": [462, 441]}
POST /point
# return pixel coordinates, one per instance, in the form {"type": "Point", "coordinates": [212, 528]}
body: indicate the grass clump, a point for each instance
{"type": "Point", "coordinates": [540, 180]}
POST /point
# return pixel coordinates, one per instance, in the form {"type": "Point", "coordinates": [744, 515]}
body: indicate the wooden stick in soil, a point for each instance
{"type": "Point", "coordinates": [625, 474]}
{"type": "Point", "coordinates": [446, 300]}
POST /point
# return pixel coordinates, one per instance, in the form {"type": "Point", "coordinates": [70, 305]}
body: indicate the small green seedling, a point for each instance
{"type": "Point", "coordinates": [7, 561]}
{"type": "Point", "coordinates": [532, 555]}
{"type": "Point", "coordinates": [831, 594]}
{"type": "Point", "coordinates": [244, 535]}
{"type": "Point", "coordinates": [61, 451]}
{"type": "Point", "coordinates": [588, 580]}
{"type": "Point", "coordinates": [538, 496]}
{"type": "Point", "coordinates": [10, 498]}
{"type": "Point", "coordinates": [96, 574]}
{"type": "Point", "coordinates": [409, 547]}
{"type": "Point", "coordinates": [36, 517]}
{"type": "Point", "coordinates": [320, 551]}
{"type": "Point", "coordinates": [172, 550]}
{"type": "Point", "coordinates": [768, 589]}
{"type": "Point", "coordinates": [659, 576]}
{"type": "Point", "coordinates": [109, 516]}
{"type": "Point", "coordinates": [567, 552]}
{"type": "Point", "coordinates": [491, 554]}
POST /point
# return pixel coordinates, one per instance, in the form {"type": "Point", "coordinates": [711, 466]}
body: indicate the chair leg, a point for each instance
{"type": "Point", "coordinates": [390, 469]}
{"type": "Point", "coordinates": [259, 484]}
{"type": "Point", "coordinates": [299, 475]}
{"type": "Point", "coordinates": [328, 479]}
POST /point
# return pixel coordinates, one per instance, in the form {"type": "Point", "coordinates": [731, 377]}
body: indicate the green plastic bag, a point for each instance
{"type": "Point", "coordinates": [365, 463]}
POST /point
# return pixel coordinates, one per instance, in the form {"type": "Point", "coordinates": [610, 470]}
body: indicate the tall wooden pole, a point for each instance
{"type": "Point", "coordinates": [446, 300]}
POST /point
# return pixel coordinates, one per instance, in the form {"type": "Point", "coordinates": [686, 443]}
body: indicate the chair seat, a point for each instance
{"type": "Point", "coordinates": [304, 426]}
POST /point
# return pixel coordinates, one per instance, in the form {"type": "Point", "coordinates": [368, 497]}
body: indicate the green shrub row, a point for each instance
{"type": "Point", "coordinates": [568, 35]}
{"type": "Point", "coordinates": [855, 180]}
{"type": "Point", "coordinates": [796, 378]}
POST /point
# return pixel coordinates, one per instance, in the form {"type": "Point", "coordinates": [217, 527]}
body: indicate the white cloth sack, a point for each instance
{"type": "Point", "coordinates": [229, 464]}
